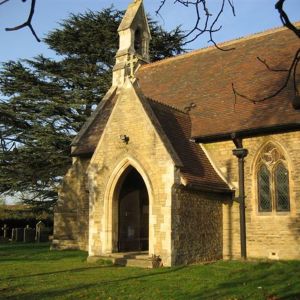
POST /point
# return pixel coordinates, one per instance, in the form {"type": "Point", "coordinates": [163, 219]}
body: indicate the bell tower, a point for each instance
{"type": "Point", "coordinates": [134, 38]}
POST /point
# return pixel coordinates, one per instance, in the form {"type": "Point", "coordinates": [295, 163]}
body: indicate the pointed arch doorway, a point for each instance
{"type": "Point", "coordinates": [133, 213]}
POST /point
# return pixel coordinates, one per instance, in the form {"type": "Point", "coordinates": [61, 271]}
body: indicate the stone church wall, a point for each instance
{"type": "Point", "coordinates": [274, 235]}
{"type": "Point", "coordinates": [71, 211]}
{"type": "Point", "coordinates": [197, 232]}
{"type": "Point", "coordinates": [145, 152]}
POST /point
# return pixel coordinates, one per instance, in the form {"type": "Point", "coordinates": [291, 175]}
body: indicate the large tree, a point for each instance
{"type": "Point", "coordinates": [45, 101]}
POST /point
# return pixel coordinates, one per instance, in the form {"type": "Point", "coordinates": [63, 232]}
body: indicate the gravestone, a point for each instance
{"type": "Point", "coordinates": [5, 231]}
{"type": "Point", "coordinates": [13, 235]}
{"type": "Point", "coordinates": [19, 234]}
{"type": "Point", "coordinates": [29, 234]}
{"type": "Point", "coordinates": [42, 233]}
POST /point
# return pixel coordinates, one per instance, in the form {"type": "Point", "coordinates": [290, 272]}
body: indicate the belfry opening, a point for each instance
{"type": "Point", "coordinates": [133, 206]}
{"type": "Point", "coordinates": [138, 42]}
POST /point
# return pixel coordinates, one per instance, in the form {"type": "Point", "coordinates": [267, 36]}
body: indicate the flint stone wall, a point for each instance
{"type": "Point", "coordinates": [197, 231]}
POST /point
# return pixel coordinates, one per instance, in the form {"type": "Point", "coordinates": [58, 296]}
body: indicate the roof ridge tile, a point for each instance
{"type": "Point", "coordinates": [225, 43]}
{"type": "Point", "coordinates": [168, 106]}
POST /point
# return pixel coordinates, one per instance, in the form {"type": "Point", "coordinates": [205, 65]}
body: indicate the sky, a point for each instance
{"type": "Point", "coordinates": [251, 16]}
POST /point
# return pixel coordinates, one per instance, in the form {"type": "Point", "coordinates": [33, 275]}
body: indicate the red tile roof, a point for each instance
{"type": "Point", "coordinates": [86, 141]}
{"type": "Point", "coordinates": [202, 81]}
{"type": "Point", "coordinates": [196, 170]}
{"type": "Point", "coordinates": [205, 78]}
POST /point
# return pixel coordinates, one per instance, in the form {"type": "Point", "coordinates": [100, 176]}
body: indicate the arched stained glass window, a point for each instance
{"type": "Point", "coordinates": [272, 180]}
{"type": "Point", "coordinates": [264, 192]}
{"type": "Point", "coordinates": [282, 188]}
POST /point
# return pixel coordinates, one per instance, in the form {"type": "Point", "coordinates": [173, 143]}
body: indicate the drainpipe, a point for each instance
{"type": "Point", "coordinates": [241, 153]}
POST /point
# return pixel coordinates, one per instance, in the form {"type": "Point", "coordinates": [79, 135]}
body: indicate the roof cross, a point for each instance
{"type": "Point", "coordinates": [189, 107]}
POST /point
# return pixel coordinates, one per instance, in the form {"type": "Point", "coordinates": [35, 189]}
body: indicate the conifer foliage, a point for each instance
{"type": "Point", "coordinates": [45, 101]}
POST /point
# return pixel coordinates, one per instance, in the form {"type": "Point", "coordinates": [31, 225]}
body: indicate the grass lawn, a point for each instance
{"type": "Point", "coordinates": [30, 271]}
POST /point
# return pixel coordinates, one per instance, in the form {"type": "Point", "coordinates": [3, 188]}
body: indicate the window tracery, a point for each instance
{"type": "Point", "coordinates": [272, 180]}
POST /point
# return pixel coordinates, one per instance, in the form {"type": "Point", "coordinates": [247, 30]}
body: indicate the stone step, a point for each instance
{"type": "Point", "coordinates": [137, 255]}
{"type": "Point", "coordinates": [129, 259]}
{"type": "Point", "coordinates": [130, 262]}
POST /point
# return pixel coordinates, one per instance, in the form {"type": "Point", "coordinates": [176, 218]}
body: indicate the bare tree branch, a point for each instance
{"type": "Point", "coordinates": [202, 12]}
{"type": "Point", "coordinates": [232, 6]}
{"type": "Point", "coordinates": [162, 3]}
{"type": "Point", "coordinates": [264, 62]}
{"type": "Point", "coordinates": [295, 75]}
{"type": "Point", "coordinates": [291, 73]}
{"type": "Point", "coordinates": [285, 19]}
{"type": "Point", "coordinates": [28, 22]}
{"type": "Point", "coordinates": [215, 21]}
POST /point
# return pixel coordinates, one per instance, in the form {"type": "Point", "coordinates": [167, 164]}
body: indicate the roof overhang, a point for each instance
{"type": "Point", "coordinates": [247, 133]}
{"type": "Point", "coordinates": [206, 188]}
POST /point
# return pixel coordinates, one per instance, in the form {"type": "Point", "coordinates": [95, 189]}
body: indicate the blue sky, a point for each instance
{"type": "Point", "coordinates": [252, 16]}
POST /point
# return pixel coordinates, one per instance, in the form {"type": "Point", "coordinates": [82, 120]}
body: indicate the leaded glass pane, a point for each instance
{"type": "Point", "coordinates": [282, 188]}
{"type": "Point", "coordinates": [264, 193]}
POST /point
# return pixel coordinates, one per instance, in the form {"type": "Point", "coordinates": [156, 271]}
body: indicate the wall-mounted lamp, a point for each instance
{"type": "Point", "coordinates": [124, 138]}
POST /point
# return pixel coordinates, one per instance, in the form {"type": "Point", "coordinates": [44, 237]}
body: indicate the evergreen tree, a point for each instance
{"type": "Point", "coordinates": [46, 101]}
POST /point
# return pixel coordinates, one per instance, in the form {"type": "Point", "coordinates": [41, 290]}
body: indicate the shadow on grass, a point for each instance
{"type": "Point", "coordinates": [50, 294]}
{"type": "Point", "coordinates": [292, 296]}
{"type": "Point", "coordinates": [67, 292]}
{"type": "Point", "coordinates": [262, 281]}
{"type": "Point", "coordinates": [29, 258]}
{"type": "Point", "coordinates": [13, 252]}
{"type": "Point", "coordinates": [57, 272]}
{"type": "Point", "coordinates": [19, 246]}
{"type": "Point", "coordinates": [169, 270]}
{"type": "Point", "coordinates": [153, 274]}
{"type": "Point", "coordinates": [221, 280]}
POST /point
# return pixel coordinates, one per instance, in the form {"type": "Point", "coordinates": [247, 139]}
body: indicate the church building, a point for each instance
{"type": "Point", "coordinates": [154, 170]}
